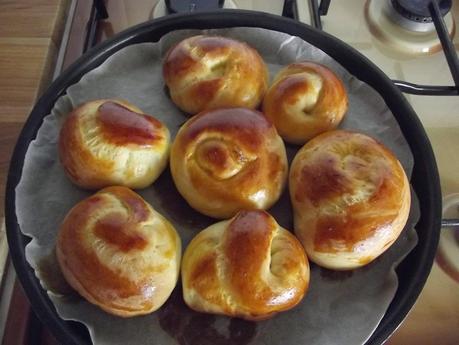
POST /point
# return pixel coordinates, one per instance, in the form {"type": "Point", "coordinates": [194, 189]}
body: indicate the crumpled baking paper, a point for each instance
{"type": "Point", "coordinates": [340, 307]}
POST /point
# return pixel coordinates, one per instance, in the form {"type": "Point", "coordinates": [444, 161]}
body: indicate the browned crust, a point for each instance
{"type": "Point", "coordinates": [289, 86]}
{"type": "Point", "coordinates": [120, 125]}
{"type": "Point", "coordinates": [238, 76]}
{"type": "Point", "coordinates": [226, 156]}
{"type": "Point", "coordinates": [250, 127]}
{"type": "Point", "coordinates": [318, 179]}
{"type": "Point", "coordinates": [241, 289]}
{"type": "Point", "coordinates": [94, 280]}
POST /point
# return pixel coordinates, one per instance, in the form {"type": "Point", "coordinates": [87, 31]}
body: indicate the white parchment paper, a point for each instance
{"type": "Point", "coordinates": [340, 307]}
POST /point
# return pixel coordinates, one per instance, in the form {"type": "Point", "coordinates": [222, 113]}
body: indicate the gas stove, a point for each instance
{"type": "Point", "coordinates": [401, 38]}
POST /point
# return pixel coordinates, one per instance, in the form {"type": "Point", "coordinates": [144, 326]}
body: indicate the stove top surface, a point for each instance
{"type": "Point", "coordinates": [436, 315]}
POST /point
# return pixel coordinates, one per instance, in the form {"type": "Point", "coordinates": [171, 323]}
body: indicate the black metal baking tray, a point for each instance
{"type": "Point", "coordinates": [414, 269]}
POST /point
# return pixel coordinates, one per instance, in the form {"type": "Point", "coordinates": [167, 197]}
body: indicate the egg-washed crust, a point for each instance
{"type": "Point", "coordinates": [208, 72]}
{"type": "Point", "coordinates": [305, 99]}
{"type": "Point", "coordinates": [247, 267]}
{"type": "Point", "coordinates": [111, 142]}
{"type": "Point", "coordinates": [351, 198]}
{"type": "Point", "coordinates": [119, 253]}
{"type": "Point", "coordinates": [225, 160]}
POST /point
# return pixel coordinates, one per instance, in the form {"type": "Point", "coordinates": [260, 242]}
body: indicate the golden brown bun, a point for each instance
{"type": "Point", "coordinates": [119, 253]}
{"type": "Point", "coordinates": [111, 142]}
{"type": "Point", "coordinates": [305, 99]}
{"type": "Point", "coordinates": [208, 72]}
{"type": "Point", "coordinates": [246, 267]}
{"type": "Point", "coordinates": [351, 199]}
{"type": "Point", "coordinates": [226, 160]}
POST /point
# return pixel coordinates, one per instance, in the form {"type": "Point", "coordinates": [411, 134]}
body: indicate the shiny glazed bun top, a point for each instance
{"type": "Point", "coordinates": [119, 253]}
{"type": "Point", "coordinates": [226, 160]}
{"type": "Point", "coordinates": [246, 267]}
{"type": "Point", "coordinates": [112, 142]}
{"type": "Point", "coordinates": [208, 72]}
{"type": "Point", "coordinates": [305, 99]}
{"type": "Point", "coordinates": [351, 199]}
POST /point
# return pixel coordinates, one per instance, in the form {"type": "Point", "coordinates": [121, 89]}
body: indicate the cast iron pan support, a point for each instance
{"type": "Point", "coordinates": [451, 58]}
{"type": "Point", "coordinates": [98, 12]}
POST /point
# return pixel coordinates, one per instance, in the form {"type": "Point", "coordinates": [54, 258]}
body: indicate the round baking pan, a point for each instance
{"type": "Point", "coordinates": [414, 269]}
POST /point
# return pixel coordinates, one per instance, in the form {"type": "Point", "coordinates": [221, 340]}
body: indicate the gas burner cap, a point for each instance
{"type": "Point", "coordinates": [384, 23]}
{"type": "Point", "coordinates": [161, 8]}
{"type": "Point", "coordinates": [415, 15]}
{"type": "Point", "coordinates": [418, 10]}
{"type": "Point", "coordinates": [186, 6]}
{"type": "Point", "coordinates": [448, 246]}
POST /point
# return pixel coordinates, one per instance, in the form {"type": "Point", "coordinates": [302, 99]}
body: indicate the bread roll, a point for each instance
{"type": "Point", "coordinates": [119, 253]}
{"type": "Point", "coordinates": [247, 267]}
{"type": "Point", "coordinates": [226, 160]}
{"type": "Point", "coordinates": [111, 142]}
{"type": "Point", "coordinates": [305, 99]}
{"type": "Point", "coordinates": [208, 72]}
{"type": "Point", "coordinates": [351, 199]}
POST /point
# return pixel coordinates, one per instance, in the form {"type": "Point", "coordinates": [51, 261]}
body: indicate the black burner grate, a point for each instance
{"type": "Point", "coordinates": [436, 11]}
